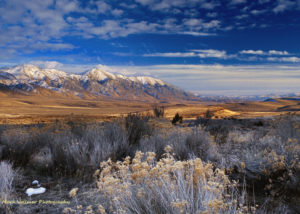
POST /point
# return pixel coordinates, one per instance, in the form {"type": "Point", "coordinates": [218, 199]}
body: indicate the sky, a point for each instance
{"type": "Point", "coordinates": [210, 47]}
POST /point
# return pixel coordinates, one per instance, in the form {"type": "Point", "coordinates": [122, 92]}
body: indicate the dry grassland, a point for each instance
{"type": "Point", "coordinates": [21, 109]}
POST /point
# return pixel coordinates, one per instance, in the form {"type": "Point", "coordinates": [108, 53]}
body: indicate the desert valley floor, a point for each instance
{"type": "Point", "coordinates": [27, 109]}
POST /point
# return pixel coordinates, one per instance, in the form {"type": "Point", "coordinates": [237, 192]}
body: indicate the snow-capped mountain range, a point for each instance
{"type": "Point", "coordinates": [95, 82]}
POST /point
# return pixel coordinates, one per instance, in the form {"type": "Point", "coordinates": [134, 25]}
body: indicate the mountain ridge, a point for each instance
{"type": "Point", "coordinates": [96, 83]}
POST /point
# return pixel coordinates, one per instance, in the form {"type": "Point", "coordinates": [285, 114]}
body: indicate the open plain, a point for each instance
{"type": "Point", "coordinates": [30, 109]}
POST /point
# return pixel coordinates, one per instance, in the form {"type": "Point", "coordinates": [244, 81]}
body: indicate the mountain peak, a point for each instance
{"type": "Point", "coordinates": [99, 74]}
{"type": "Point", "coordinates": [29, 71]}
{"type": "Point", "coordinates": [25, 71]}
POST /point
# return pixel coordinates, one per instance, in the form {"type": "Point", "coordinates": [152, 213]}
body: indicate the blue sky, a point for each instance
{"type": "Point", "coordinates": [205, 46]}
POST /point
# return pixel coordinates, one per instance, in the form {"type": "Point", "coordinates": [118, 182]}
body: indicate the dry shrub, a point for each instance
{"type": "Point", "coordinates": [208, 114]}
{"type": "Point", "coordinates": [144, 185]}
{"type": "Point", "coordinates": [194, 142]}
{"type": "Point", "coordinates": [74, 149]}
{"type": "Point", "coordinates": [177, 119]}
{"type": "Point", "coordinates": [286, 127]}
{"type": "Point", "coordinates": [219, 129]}
{"type": "Point", "coordinates": [22, 142]}
{"type": "Point", "coordinates": [81, 156]}
{"type": "Point", "coordinates": [7, 176]}
{"type": "Point", "coordinates": [137, 127]}
{"type": "Point", "coordinates": [269, 161]}
{"type": "Point", "coordinates": [158, 111]}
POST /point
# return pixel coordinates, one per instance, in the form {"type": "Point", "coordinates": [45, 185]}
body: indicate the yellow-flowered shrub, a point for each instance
{"type": "Point", "coordinates": [144, 185]}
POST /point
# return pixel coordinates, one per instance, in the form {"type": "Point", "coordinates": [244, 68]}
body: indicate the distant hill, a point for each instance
{"type": "Point", "coordinates": [95, 83]}
{"type": "Point", "coordinates": [245, 98]}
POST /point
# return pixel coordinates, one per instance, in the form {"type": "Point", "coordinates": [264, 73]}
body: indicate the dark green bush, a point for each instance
{"type": "Point", "coordinates": [177, 119]}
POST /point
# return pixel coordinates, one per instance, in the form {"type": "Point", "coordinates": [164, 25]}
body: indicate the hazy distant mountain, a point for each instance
{"type": "Point", "coordinates": [94, 83]}
{"type": "Point", "coordinates": [242, 98]}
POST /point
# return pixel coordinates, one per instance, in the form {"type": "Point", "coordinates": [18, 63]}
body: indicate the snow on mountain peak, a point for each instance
{"type": "Point", "coordinates": [28, 71]}
{"type": "Point", "coordinates": [54, 74]}
{"type": "Point", "coordinates": [99, 74]}
{"type": "Point", "coordinates": [32, 73]}
{"type": "Point", "coordinates": [147, 80]}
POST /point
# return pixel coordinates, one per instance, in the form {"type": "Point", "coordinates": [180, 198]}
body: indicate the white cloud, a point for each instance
{"type": "Point", "coordinates": [209, 5]}
{"type": "Point", "coordinates": [284, 59]}
{"type": "Point", "coordinates": [234, 2]}
{"type": "Point", "coordinates": [210, 53]}
{"type": "Point", "coordinates": [274, 52]}
{"type": "Point", "coordinates": [283, 5]}
{"type": "Point", "coordinates": [122, 28]}
{"type": "Point", "coordinates": [242, 16]}
{"type": "Point", "coordinates": [128, 6]}
{"type": "Point", "coordinates": [117, 12]}
{"type": "Point", "coordinates": [170, 5]}
{"type": "Point", "coordinates": [212, 24]}
{"type": "Point", "coordinates": [258, 12]}
{"type": "Point", "coordinates": [192, 33]}
{"type": "Point", "coordinates": [254, 52]}
{"type": "Point", "coordinates": [47, 64]}
{"type": "Point", "coordinates": [263, 1]}
{"type": "Point", "coordinates": [102, 7]}
{"type": "Point", "coordinates": [212, 14]}
{"type": "Point", "coordinates": [172, 54]}
{"type": "Point", "coordinates": [192, 22]}
{"type": "Point", "coordinates": [32, 25]}
{"type": "Point", "coordinates": [260, 52]}
{"type": "Point", "coordinates": [145, 2]}
{"type": "Point", "coordinates": [245, 55]}
{"type": "Point", "coordinates": [197, 25]}
{"type": "Point", "coordinates": [112, 28]}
